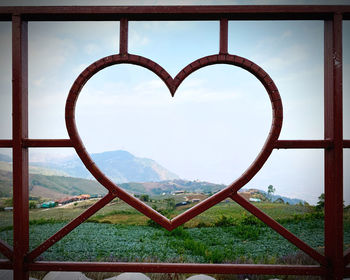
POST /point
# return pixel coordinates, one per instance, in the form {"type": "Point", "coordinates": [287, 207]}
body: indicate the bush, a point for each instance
{"type": "Point", "coordinates": [178, 233]}
{"type": "Point", "coordinates": [224, 221]}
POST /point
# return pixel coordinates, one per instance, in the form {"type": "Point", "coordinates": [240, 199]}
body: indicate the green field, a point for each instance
{"type": "Point", "coordinates": [224, 234]}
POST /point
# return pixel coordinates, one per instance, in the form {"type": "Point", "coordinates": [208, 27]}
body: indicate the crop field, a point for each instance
{"type": "Point", "coordinates": [223, 234]}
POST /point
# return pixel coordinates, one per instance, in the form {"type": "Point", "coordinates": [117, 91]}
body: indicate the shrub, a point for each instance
{"type": "Point", "coordinates": [178, 233]}
{"type": "Point", "coordinates": [224, 221]}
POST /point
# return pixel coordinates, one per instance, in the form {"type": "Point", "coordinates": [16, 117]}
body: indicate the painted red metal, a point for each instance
{"type": "Point", "coordinates": [5, 143]}
{"type": "Point", "coordinates": [332, 264]}
{"type": "Point", "coordinates": [303, 144]}
{"type": "Point", "coordinates": [333, 129]}
{"type": "Point", "coordinates": [123, 36]}
{"type": "Point", "coordinates": [4, 264]}
{"type": "Point", "coordinates": [347, 257]}
{"type": "Point", "coordinates": [6, 250]}
{"type": "Point", "coordinates": [346, 144]}
{"type": "Point", "coordinates": [47, 143]}
{"type": "Point", "coordinates": [173, 84]}
{"type": "Point", "coordinates": [20, 153]}
{"type": "Point", "coordinates": [223, 36]}
{"type": "Point", "coordinates": [180, 268]}
{"type": "Point", "coordinates": [186, 12]}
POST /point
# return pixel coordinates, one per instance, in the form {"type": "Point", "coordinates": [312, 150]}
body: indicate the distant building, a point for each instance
{"type": "Point", "coordinates": [179, 192]}
{"type": "Point", "coordinates": [252, 199]}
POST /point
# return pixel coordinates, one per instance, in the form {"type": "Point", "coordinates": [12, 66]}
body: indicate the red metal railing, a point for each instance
{"type": "Point", "coordinates": [332, 265]}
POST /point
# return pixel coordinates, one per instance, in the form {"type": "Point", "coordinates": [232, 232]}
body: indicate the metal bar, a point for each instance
{"type": "Point", "coordinates": [223, 36]}
{"type": "Point", "coordinates": [123, 36]}
{"type": "Point", "coordinates": [303, 144]}
{"type": "Point", "coordinates": [346, 143]}
{"type": "Point", "coordinates": [178, 268]}
{"type": "Point", "coordinates": [6, 250]}
{"type": "Point", "coordinates": [347, 271]}
{"type": "Point", "coordinates": [47, 143]}
{"type": "Point", "coordinates": [69, 227]}
{"type": "Point", "coordinates": [347, 257]}
{"type": "Point", "coordinates": [5, 143]}
{"type": "Point", "coordinates": [20, 153]}
{"type": "Point", "coordinates": [333, 127]}
{"type": "Point", "coordinates": [231, 12]}
{"type": "Point", "coordinates": [4, 264]}
{"type": "Point", "coordinates": [279, 229]}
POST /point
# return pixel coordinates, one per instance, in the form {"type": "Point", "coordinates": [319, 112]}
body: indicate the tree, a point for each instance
{"type": "Point", "coordinates": [270, 191]}
{"type": "Point", "coordinates": [320, 202]}
{"type": "Point", "coordinates": [144, 197]}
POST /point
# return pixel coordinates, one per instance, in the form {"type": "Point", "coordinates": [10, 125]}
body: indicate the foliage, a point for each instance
{"type": "Point", "coordinates": [320, 202]}
{"type": "Point", "coordinates": [144, 197]}
{"type": "Point", "coordinates": [270, 191]}
{"type": "Point", "coordinates": [32, 204]}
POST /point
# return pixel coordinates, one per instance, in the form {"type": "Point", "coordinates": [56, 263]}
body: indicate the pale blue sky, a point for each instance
{"type": "Point", "coordinates": [219, 118]}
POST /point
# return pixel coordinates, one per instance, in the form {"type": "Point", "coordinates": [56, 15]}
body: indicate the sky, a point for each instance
{"type": "Point", "coordinates": [220, 116]}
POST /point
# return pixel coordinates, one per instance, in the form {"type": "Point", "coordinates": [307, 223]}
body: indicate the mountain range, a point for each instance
{"type": "Point", "coordinates": [120, 166]}
{"type": "Point", "coordinates": [64, 177]}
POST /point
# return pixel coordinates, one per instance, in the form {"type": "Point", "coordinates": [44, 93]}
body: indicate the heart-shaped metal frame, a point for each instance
{"type": "Point", "coordinates": [173, 84]}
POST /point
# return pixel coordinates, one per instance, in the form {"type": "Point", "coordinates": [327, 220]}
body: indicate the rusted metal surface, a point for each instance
{"type": "Point", "coordinates": [332, 264]}
{"type": "Point", "coordinates": [279, 229]}
{"type": "Point", "coordinates": [180, 268]}
{"type": "Point", "coordinates": [20, 153]}
{"type": "Point", "coordinates": [333, 129]}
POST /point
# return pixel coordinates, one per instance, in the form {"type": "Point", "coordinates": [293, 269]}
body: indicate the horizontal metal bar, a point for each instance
{"type": "Point", "coordinates": [47, 143]}
{"type": "Point", "coordinates": [347, 272]}
{"type": "Point", "coordinates": [4, 264]}
{"type": "Point", "coordinates": [234, 12]}
{"type": "Point", "coordinates": [6, 250]}
{"type": "Point", "coordinates": [279, 229]}
{"type": "Point", "coordinates": [179, 268]}
{"type": "Point", "coordinates": [303, 144]}
{"type": "Point", "coordinates": [6, 143]}
{"type": "Point", "coordinates": [346, 143]}
{"type": "Point", "coordinates": [347, 257]}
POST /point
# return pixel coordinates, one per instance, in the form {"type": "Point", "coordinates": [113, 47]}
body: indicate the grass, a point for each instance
{"type": "Point", "coordinates": [224, 234]}
{"type": "Point", "coordinates": [119, 212]}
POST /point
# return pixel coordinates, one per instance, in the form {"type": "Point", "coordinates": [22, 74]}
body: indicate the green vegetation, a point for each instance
{"type": "Point", "coordinates": [225, 233]}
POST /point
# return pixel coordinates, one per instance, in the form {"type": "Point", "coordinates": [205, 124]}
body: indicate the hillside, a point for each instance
{"type": "Point", "coordinates": [52, 187]}
{"type": "Point", "coordinates": [263, 196]}
{"type": "Point", "coordinates": [169, 186]}
{"type": "Point", "coordinates": [120, 166]}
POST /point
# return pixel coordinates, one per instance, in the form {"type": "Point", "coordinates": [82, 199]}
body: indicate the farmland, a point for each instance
{"type": "Point", "coordinates": [224, 234]}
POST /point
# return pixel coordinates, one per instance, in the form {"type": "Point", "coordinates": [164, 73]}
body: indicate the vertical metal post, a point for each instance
{"type": "Point", "coordinates": [123, 36]}
{"type": "Point", "coordinates": [223, 36]}
{"type": "Point", "coordinates": [333, 129]}
{"type": "Point", "coordinates": [20, 153]}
